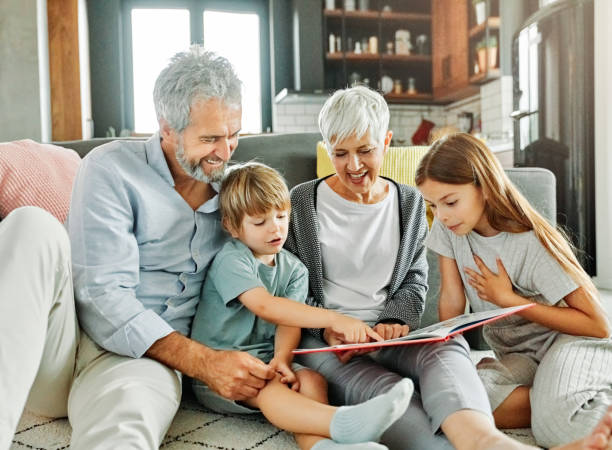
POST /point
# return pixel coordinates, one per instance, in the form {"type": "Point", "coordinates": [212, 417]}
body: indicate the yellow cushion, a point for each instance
{"type": "Point", "coordinates": [399, 164]}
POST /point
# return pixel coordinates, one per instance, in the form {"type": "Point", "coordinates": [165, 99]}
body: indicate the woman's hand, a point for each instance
{"type": "Point", "coordinates": [391, 330]}
{"type": "Point", "coordinates": [333, 338]}
{"type": "Point", "coordinates": [494, 288]}
{"type": "Point", "coordinates": [283, 368]}
{"type": "Point", "coordinates": [353, 331]}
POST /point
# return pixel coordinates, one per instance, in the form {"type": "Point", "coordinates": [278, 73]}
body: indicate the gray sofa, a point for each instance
{"type": "Point", "coordinates": [294, 155]}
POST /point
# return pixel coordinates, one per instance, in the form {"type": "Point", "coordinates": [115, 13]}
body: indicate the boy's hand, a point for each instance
{"type": "Point", "coordinates": [352, 330]}
{"type": "Point", "coordinates": [287, 376]}
{"type": "Point", "coordinates": [391, 330]}
{"type": "Point", "coordinates": [492, 287]}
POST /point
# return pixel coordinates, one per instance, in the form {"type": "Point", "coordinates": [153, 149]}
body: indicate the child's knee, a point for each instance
{"type": "Point", "coordinates": [311, 383]}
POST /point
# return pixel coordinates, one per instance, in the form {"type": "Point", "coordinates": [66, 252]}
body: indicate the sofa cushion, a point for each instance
{"type": "Point", "coordinates": [399, 164]}
{"type": "Point", "coordinates": [33, 174]}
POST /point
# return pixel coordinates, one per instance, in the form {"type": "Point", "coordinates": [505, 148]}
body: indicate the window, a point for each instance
{"type": "Point", "coordinates": [154, 30]}
{"type": "Point", "coordinates": [242, 49]}
{"type": "Point", "coordinates": [151, 51]}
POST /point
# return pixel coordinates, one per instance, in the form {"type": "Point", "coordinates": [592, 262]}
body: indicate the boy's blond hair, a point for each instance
{"type": "Point", "coordinates": [251, 189]}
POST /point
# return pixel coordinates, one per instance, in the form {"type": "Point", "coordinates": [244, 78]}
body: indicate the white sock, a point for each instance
{"type": "Point", "coordinates": [328, 444]}
{"type": "Point", "coordinates": [367, 421]}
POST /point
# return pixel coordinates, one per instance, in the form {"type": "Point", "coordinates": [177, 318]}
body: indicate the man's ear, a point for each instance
{"type": "Point", "coordinates": [167, 133]}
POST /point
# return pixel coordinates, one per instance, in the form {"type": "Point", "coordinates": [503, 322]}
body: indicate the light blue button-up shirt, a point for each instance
{"type": "Point", "coordinates": [139, 251]}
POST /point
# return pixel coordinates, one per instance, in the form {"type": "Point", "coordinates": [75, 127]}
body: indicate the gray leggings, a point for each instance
{"type": "Point", "coordinates": [442, 373]}
{"type": "Point", "coordinates": [571, 386]}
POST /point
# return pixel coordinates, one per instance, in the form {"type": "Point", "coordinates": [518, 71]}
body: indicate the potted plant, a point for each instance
{"type": "Point", "coordinates": [483, 47]}
{"type": "Point", "coordinates": [480, 7]}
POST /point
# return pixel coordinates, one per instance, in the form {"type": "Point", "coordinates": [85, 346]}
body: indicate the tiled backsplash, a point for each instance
{"type": "Point", "coordinates": [496, 106]}
{"type": "Point", "coordinates": [301, 116]}
{"type": "Point", "coordinates": [493, 106]}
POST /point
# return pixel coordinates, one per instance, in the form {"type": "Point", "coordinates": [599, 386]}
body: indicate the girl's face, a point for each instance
{"type": "Point", "coordinates": [460, 207]}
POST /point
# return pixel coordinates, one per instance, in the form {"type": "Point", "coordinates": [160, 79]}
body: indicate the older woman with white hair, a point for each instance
{"type": "Point", "coordinates": [361, 237]}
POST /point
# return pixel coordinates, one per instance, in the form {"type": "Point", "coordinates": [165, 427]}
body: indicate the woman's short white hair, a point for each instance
{"type": "Point", "coordinates": [353, 111]}
{"type": "Point", "coordinates": [193, 76]}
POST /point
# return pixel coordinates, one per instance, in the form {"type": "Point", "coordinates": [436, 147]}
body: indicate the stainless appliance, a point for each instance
{"type": "Point", "coordinates": [552, 67]}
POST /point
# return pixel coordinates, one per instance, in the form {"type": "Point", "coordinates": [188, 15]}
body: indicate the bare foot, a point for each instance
{"type": "Point", "coordinates": [599, 439]}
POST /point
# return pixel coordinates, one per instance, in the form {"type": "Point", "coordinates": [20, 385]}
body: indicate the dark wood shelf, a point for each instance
{"type": "Point", "coordinates": [409, 98]}
{"type": "Point", "coordinates": [371, 15]}
{"type": "Point", "coordinates": [407, 58]}
{"type": "Point", "coordinates": [374, 66]}
{"type": "Point", "coordinates": [336, 56]}
{"type": "Point", "coordinates": [488, 75]}
{"type": "Point", "coordinates": [492, 23]}
{"type": "Point", "coordinates": [350, 56]}
{"type": "Point", "coordinates": [374, 15]}
{"type": "Point", "coordinates": [410, 17]}
{"type": "Point", "coordinates": [332, 12]}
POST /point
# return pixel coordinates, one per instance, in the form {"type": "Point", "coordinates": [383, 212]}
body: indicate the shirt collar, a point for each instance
{"type": "Point", "coordinates": [156, 158]}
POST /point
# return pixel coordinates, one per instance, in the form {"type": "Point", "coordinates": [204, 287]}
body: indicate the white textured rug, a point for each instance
{"type": "Point", "coordinates": [194, 427]}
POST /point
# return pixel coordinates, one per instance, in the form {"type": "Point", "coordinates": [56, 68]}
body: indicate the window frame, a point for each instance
{"type": "Point", "coordinates": [196, 10]}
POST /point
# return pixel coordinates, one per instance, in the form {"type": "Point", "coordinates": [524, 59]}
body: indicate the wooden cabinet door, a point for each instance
{"type": "Point", "coordinates": [450, 75]}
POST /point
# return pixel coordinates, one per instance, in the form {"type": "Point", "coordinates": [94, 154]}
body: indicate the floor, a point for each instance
{"type": "Point", "coordinates": [195, 427]}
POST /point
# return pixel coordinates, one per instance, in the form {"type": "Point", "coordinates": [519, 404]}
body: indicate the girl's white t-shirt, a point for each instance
{"type": "Point", "coordinates": [359, 246]}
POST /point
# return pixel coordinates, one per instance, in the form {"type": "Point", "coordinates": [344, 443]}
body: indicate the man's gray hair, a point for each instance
{"type": "Point", "coordinates": [190, 77]}
{"type": "Point", "coordinates": [353, 111]}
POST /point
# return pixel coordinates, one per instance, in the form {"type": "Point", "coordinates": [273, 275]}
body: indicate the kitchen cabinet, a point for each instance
{"type": "Point", "coordinates": [360, 45]}
{"type": "Point", "coordinates": [483, 43]}
{"type": "Point", "coordinates": [363, 45]}
{"type": "Point", "coordinates": [450, 74]}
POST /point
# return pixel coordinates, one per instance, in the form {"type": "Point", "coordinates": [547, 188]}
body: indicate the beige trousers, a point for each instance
{"type": "Point", "coordinates": [51, 368]}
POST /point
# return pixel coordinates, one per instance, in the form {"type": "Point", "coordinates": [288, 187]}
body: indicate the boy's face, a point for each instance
{"type": "Point", "coordinates": [264, 234]}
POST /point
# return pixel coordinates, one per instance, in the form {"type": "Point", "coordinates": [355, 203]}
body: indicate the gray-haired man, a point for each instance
{"type": "Point", "coordinates": [143, 227]}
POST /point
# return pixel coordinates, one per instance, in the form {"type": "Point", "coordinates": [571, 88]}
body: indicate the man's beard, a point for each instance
{"type": "Point", "coordinates": [194, 169]}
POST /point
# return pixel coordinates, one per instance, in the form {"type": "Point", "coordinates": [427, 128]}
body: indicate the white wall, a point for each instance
{"type": "Point", "coordinates": [603, 142]}
{"type": "Point", "coordinates": [19, 76]}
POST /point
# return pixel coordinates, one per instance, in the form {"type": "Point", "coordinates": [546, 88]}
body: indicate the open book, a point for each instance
{"type": "Point", "coordinates": [437, 332]}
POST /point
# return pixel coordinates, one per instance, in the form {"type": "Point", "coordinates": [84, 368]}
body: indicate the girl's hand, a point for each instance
{"type": "Point", "coordinates": [352, 330]}
{"type": "Point", "coordinates": [391, 330]}
{"type": "Point", "coordinates": [494, 288]}
{"type": "Point", "coordinates": [283, 368]}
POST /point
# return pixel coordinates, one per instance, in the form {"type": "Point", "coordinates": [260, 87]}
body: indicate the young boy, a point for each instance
{"type": "Point", "coordinates": [253, 301]}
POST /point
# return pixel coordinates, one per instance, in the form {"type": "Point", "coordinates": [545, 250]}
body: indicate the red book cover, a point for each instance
{"type": "Point", "coordinates": [437, 332]}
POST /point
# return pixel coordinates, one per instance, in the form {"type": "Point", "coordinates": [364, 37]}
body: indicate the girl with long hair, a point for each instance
{"type": "Point", "coordinates": [553, 365]}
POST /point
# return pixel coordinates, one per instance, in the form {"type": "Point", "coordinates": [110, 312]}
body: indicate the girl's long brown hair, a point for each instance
{"type": "Point", "coordinates": [462, 159]}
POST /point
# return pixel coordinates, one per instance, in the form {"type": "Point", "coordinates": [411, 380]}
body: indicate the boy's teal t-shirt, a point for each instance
{"type": "Point", "coordinates": [222, 322]}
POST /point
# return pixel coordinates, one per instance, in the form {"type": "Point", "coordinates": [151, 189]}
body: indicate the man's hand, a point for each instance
{"type": "Point", "coordinates": [391, 330]}
{"type": "Point", "coordinates": [236, 375]}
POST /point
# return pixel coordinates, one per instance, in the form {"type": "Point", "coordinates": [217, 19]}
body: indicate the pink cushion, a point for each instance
{"type": "Point", "coordinates": [33, 174]}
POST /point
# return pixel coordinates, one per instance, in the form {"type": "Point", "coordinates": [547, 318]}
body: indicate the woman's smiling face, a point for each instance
{"type": "Point", "coordinates": [357, 162]}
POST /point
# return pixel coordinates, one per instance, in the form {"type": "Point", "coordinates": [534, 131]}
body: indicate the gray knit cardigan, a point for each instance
{"type": "Point", "coordinates": [406, 291]}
